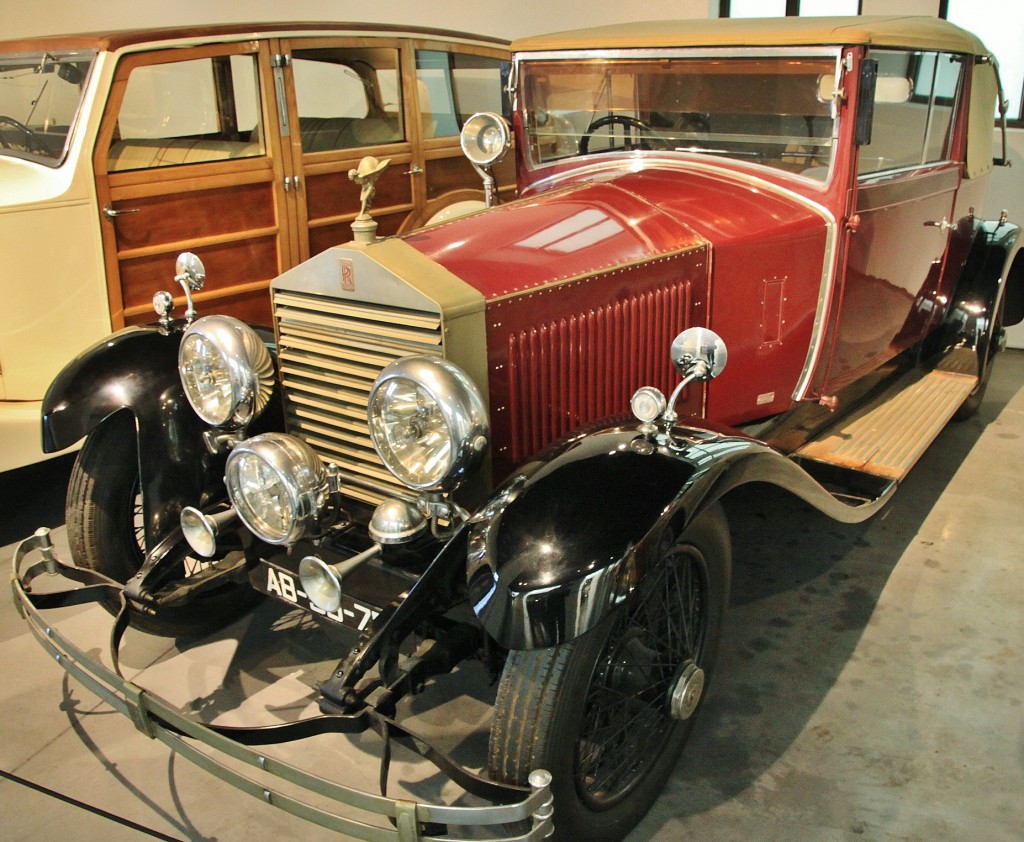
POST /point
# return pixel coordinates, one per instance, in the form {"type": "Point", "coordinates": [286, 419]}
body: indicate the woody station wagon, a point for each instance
{"type": "Point", "coordinates": [120, 150]}
{"type": "Point", "coordinates": [743, 251]}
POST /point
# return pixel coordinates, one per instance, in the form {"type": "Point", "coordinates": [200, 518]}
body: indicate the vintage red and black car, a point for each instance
{"type": "Point", "coordinates": [434, 443]}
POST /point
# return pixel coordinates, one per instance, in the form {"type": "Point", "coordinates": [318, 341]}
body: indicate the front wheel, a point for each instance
{"type": "Point", "coordinates": [104, 522]}
{"type": "Point", "coordinates": [608, 713]}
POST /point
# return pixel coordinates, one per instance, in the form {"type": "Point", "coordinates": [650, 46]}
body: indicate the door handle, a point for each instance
{"type": "Point", "coordinates": [943, 225]}
{"type": "Point", "coordinates": [111, 213]}
{"type": "Point", "coordinates": [291, 181]}
{"type": "Point", "coordinates": [416, 169]}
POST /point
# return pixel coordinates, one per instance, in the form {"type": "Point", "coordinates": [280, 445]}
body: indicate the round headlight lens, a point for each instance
{"type": "Point", "coordinates": [428, 422]}
{"type": "Point", "coordinates": [226, 370]}
{"type": "Point", "coordinates": [278, 486]}
{"type": "Point", "coordinates": [485, 138]}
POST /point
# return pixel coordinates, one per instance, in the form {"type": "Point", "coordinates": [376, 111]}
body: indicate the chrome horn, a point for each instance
{"type": "Point", "coordinates": [322, 581]}
{"type": "Point", "coordinates": [200, 530]}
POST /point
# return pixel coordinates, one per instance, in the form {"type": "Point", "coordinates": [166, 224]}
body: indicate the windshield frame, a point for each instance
{"type": "Point", "coordinates": [524, 61]}
{"type": "Point", "coordinates": [59, 56]}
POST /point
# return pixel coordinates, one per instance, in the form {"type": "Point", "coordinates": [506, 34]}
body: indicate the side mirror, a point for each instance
{"type": "Point", "coordinates": [190, 272]}
{"type": "Point", "coordinates": [698, 353]}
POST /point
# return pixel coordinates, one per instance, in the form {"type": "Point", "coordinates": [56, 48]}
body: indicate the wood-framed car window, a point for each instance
{"type": "Point", "coordinates": [195, 110]}
{"type": "Point", "coordinates": [347, 97]}
{"type": "Point", "coordinates": [453, 86]}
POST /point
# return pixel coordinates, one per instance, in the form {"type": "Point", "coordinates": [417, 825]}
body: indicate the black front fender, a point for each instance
{"type": "Point", "coordinates": [569, 536]}
{"type": "Point", "coordinates": [136, 371]}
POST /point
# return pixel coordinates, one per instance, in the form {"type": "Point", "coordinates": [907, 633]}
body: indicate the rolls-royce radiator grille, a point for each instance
{"type": "Point", "coordinates": [586, 366]}
{"type": "Point", "coordinates": [330, 351]}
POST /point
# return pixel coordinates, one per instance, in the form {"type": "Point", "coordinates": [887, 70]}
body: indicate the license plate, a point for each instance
{"type": "Point", "coordinates": [286, 586]}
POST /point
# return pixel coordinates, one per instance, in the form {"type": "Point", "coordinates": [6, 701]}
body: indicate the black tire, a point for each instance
{"type": "Point", "coordinates": [104, 534]}
{"type": "Point", "coordinates": [563, 708]}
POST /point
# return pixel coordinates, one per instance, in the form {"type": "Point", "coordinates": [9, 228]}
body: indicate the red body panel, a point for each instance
{"type": "Point", "coordinates": [587, 285]}
{"type": "Point", "coordinates": [563, 235]}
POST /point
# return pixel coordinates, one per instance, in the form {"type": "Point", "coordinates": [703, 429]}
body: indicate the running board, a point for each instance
{"type": "Point", "coordinates": [886, 437]}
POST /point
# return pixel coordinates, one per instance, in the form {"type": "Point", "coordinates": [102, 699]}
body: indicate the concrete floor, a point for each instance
{"type": "Point", "coordinates": [870, 685]}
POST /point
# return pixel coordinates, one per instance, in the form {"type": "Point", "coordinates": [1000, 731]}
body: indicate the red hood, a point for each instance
{"type": "Point", "coordinates": [622, 219]}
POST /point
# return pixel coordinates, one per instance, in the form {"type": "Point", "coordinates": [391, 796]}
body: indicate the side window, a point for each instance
{"type": "Point", "coordinates": [915, 103]}
{"type": "Point", "coordinates": [453, 87]}
{"type": "Point", "coordinates": [188, 112]}
{"type": "Point", "coordinates": [347, 98]}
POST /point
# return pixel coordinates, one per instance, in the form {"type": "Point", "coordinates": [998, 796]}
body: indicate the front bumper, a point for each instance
{"type": "Point", "coordinates": [212, 747]}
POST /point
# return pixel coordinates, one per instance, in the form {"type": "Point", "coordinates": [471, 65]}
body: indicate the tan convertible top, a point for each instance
{"type": "Point", "coordinates": [908, 32]}
{"type": "Point", "coordinates": [925, 33]}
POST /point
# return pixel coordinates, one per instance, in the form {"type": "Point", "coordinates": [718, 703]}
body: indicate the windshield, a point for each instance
{"type": "Point", "coordinates": [39, 100]}
{"type": "Point", "coordinates": [774, 110]}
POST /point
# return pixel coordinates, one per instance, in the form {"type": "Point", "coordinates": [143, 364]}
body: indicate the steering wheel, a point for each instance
{"type": "Point", "coordinates": [34, 140]}
{"type": "Point", "coordinates": [611, 119]}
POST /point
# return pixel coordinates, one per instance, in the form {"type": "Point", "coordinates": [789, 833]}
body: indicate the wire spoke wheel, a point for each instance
{"type": "Point", "coordinates": [627, 713]}
{"type": "Point", "coordinates": [608, 713]}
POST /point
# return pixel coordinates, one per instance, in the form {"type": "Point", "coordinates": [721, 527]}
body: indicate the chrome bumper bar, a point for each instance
{"type": "Point", "coordinates": [209, 746]}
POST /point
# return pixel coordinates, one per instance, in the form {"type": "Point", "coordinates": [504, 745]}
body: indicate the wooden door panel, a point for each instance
{"type": "Point", "coordinates": [331, 196]}
{"type": "Point", "coordinates": [449, 172]}
{"type": "Point", "coordinates": [233, 228]}
{"type": "Point", "coordinates": [192, 174]}
{"type": "Point", "coordinates": [179, 218]}
{"type": "Point", "coordinates": [235, 271]}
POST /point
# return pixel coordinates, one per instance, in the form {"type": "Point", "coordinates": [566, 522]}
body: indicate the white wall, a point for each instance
{"type": "Point", "coordinates": [899, 7]}
{"type": "Point", "coordinates": [1006, 192]}
{"type": "Point", "coordinates": [488, 17]}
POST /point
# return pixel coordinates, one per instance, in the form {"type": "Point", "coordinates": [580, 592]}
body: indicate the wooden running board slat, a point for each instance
{"type": "Point", "coordinates": [889, 436]}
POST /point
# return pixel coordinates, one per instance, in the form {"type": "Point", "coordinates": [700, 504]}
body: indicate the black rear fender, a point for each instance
{"type": "Point", "coordinates": [992, 276]}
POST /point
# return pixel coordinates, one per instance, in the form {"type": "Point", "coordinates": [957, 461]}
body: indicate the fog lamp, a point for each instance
{"type": "Point", "coordinates": [647, 404]}
{"type": "Point", "coordinates": [396, 521]}
{"type": "Point", "coordinates": [278, 486]}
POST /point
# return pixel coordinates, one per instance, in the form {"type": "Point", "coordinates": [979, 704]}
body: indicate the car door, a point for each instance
{"type": "Point", "coordinates": [344, 101]}
{"type": "Point", "coordinates": [903, 202]}
{"type": "Point", "coordinates": [241, 152]}
{"type": "Point", "coordinates": [184, 160]}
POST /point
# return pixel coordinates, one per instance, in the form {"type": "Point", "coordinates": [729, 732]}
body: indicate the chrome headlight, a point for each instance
{"type": "Point", "coordinates": [278, 486]}
{"type": "Point", "coordinates": [226, 370]}
{"type": "Point", "coordinates": [485, 138]}
{"type": "Point", "coordinates": [428, 422]}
